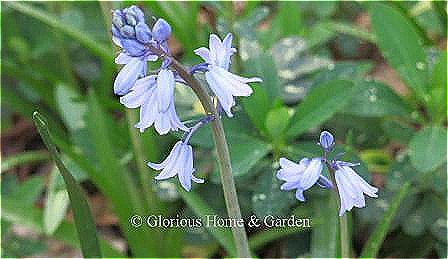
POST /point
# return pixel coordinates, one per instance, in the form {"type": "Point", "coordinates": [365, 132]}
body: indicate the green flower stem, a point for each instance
{"type": "Point", "coordinates": [222, 150]}
{"type": "Point", "coordinates": [343, 222]}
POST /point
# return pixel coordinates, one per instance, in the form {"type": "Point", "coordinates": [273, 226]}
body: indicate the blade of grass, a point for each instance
{"type": "Point", "coordinates": [23, 158]}
{"type": "Point", "coordinates": [376, 239]}
{"type": "Point", "coordinates": [82, 215]}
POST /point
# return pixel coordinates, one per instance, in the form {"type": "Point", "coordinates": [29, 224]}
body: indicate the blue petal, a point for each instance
{"type": "Point", "coordinates": [168, 159]}
{"type": "Point", "coordinates": [133, 47]}
{"type": "Point", "coordinates": [299, 195]}
{"type": "Point", "coordinates": [224, 97]}
{"type": "Point", "coordinates": [140, 92]}
{"type": "Point", "coordinates": [123, 58]}
{"type": "Point", "coordinates": [185, 162]}
{"type": "Point", "coordinates": [215, 46]}
{"type": "Point", "coordinates": [143, 33]}
{"type": "Point", "coordinates": [127, 76]}
{"type": "Point", "coordinates": [161, 30]}
{"type": "Point", "coordinates": [204, 53]}
{"type": "Point", "coordinates": [165, 89]}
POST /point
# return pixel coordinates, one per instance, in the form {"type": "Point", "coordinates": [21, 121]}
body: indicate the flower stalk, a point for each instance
{"type": "Point", "coordinates": [343, 222]}
{"type": "Point", "coordinates": [222, 150]}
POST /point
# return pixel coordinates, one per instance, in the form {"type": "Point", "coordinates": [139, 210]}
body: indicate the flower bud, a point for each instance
{"type": "Point", "coordinates": [130, 19]}
{"type": "Point", "coordinates": [161, 30]}
{"type": "Point", "coordinates": [117, 19]}
{"type": "Point", "coordinates": [326, 141]}
{"type": "Point", "coordinates": [127, 31]}
{"type": "Point", "coordinates": [143, 33]}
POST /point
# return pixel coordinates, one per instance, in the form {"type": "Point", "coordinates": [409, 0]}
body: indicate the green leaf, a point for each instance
{"type": "Point", "coordinates": [113, 176]}
{"type": "Point", "coordinates": [23, 158]}
{"type": "Point", "coordinates": [56, 204]}
{"type": "Point", "coordinates": [256, 107]}
{"type": "Point", "coordinates": [376, 239]}
{"type": "Point", "coordinates": [276, 122]}
{"type": "Point", "coordinates": [97, 48]}
{"type": "Point", "coordinates": [84, 223]}
{"type": "Point", "coordinates": [349, 29]}
{"type": "Point", "coordinates": [32, 217]}
{"type": "Point", "coordinates": [70, 107]}
{"type": "Point", "coordinates": [263, 66]}
{"type": "Point", "coordinates": [28, 191]}
{"type": "Point", "coordinates": [245, 150]}
{"type": "Point", "coordinates": [320, 104]}
{"type": "Point", "coordinates": [375, 99]}
{"type": "Point", "coordinates": [401, 47]}
{"type": "Point", "coordinates": [201, 209]}
{"type": "Point", "coordinates": [437, 103]}
{"type": "Point", "coordinates": [397, 130]}
{"type": "Point", "coordinates": [324, 241]}
{"type": "Point", "coordinates": [427, 149]}
{"type": "Point", "coordinates": [268, 199]}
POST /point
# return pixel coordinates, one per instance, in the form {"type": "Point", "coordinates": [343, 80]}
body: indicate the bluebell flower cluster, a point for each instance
{"type": "Point", "coordinates": [154, 93]}
{"type": "Point", "coordinates": [302, 176]}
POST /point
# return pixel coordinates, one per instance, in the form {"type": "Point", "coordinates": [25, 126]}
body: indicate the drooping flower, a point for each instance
{"type": "Point", "coordinates": [179, 162]}
{"type": "Point", "coordinates": [351, 187]}
{"type": "Point", "coordinates": [302, 176]}
{"type": "Point", "coordinates": [131, 34]}
{"type": "Point", "coordinates": [224, 84]}
{"type": "Point", "coordinates": [154, 95]}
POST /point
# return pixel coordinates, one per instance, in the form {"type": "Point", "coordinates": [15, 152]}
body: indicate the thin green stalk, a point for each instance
{"type": "Point", "coordinates": [343, 228]}
{"type": "Point", "coordinates": [222, 150]}
{"type": "Point", "coordinates": [343, 222]}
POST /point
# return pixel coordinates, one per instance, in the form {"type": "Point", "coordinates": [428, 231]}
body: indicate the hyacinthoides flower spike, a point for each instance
{"type": "Point", "coordinates": [349, 185]}
{"type": "Point", "coordinates": [154, 95]}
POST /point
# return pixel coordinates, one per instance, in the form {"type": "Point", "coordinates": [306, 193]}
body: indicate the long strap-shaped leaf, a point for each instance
{"type": "Point", "coordinates": [90, 43]}
{"type": "Point", "coordinates": [201, 209]}
{"type": "Point", "coordinates": [376, 239]}
{"type": "Point", "coordinates": [85, 226]}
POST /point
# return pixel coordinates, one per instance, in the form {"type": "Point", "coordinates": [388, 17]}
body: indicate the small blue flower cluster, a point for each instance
{"type": "Point", "coordinates": [154, 94]}
{"type": "Point", "coordinates": [302, 176]}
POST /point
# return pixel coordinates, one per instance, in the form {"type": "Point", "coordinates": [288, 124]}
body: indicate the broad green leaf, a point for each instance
{"type": "Point", "coordinates": [377, 237]}
{"type": "Point", "coordinates": [401, 47]}
{"type": "Point", "coordinates": [201, 209]}
{"type": "Point", "coordinates": [245, 150]}
{"type": "Point", "coordinates": [437, 102]}
{"type": "Point", "coordinates": [23, 158]}
{"type": "Point", "coordinates": [397, 130]}
{"type": "Point", "coordinates": [375, 99]}
{"type": "Point", "coordinates": [268, 199]}
{"type": "Point", "coordinates": [277, 121]}
{"type": "Point", "coordinates": [427, 149]}
{"type": "Point", "coordinates": [256, 108]}
{"type": "Point", "coordinates": [320, 104]}
{"type": "Point", "coordinates": [263, 66]}
{"type": "Point", "coordinates": [84, 223]}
